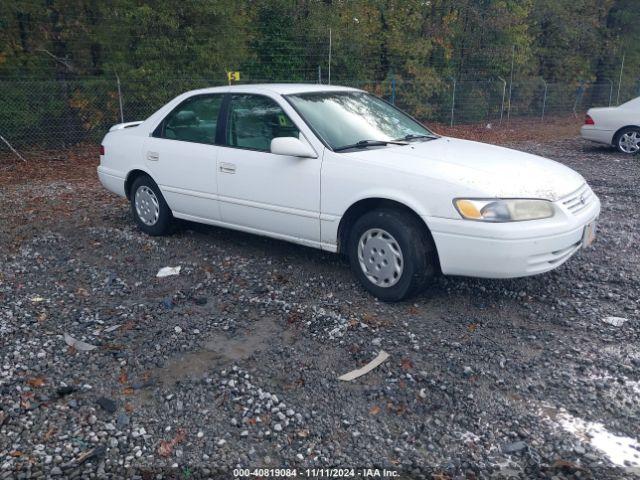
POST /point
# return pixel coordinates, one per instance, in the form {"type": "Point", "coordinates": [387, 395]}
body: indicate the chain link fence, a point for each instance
{"type": "Point", "coordinates": [46, 115]}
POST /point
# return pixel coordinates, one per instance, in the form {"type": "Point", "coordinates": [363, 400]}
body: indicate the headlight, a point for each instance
{"type": "Point", "coordinates": [513, 210]}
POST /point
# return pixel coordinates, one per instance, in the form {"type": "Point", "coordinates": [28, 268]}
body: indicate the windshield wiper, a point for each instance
{"type": "Point", "coordinates": [413, 136]}
{"type": "Point", "coordinates": [369, 143]}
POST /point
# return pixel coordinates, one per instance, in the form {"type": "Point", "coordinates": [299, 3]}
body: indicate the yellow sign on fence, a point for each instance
{"type": "Point", "coordinates": [233, 77]}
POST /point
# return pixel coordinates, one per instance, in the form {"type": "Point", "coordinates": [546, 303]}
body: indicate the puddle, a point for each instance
{"type": "Point", "coordinates": [220, 350]}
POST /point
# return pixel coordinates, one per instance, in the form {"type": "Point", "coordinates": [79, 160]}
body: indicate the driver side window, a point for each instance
{"type": "Point", "coordinates": [195, 120]}
{"type": "Point", "coordinates": [255, 120]}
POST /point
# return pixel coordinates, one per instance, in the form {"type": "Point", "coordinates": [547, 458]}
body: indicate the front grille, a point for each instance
{"type": "Point", "coordinates": [579, 200]}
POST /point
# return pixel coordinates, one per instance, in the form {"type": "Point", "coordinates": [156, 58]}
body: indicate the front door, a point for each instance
{"type": "Point", "coordinates": [258, 190]}
{"type": "Point", "coordinates": [181, 156]}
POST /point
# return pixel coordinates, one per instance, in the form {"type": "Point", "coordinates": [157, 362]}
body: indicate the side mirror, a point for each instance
{"type": "Point", "coordinates": [292, 147]}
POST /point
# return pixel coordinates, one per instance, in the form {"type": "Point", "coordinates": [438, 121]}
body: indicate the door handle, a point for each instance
{"type": "Point", "coordinates": [227, 167]}
{"type": "Point", "coordinates": [153, 156]}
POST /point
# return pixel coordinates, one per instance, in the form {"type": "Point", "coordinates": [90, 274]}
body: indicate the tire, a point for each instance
{"type": "Point", "coordinates": [396, 251]}
{"type": "Point", "coordinates": [627, 140]}
{"type": "Point", "coordinates": [149, 208]}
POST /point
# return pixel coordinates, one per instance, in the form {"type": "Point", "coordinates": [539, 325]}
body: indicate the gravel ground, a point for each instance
{"type": "Point", "coordinates": [234, 362]}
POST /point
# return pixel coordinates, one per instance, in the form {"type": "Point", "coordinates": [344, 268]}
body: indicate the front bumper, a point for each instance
{"type": "Point", "coordinates": [517, 249]}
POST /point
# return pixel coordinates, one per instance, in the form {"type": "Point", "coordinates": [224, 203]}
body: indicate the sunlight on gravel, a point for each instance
{"type": "Point", "coordinates": [622, 451]}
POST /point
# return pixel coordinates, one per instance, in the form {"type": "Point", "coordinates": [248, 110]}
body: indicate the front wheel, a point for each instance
{"type": "Point", "coordinates": [150, 210]}
{"type": "Point", "coordinates": [391, 254]}
{"type": "Point", "coordinates": [628, 140]}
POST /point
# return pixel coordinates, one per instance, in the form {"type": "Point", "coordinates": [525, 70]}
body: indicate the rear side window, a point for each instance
{"type": "Point", "coordinates": [255, 120]}
{"type": "Point", "coordinates": [194, 120]}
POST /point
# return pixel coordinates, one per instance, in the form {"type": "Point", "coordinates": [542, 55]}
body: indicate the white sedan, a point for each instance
{"type": "Point", "coordinates": [341, 170]}
{"type": "Point", "coordinates": [617, 126]}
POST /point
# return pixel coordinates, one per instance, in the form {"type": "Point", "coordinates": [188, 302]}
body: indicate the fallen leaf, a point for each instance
{"type": "Point", "coordinates": [166, 447]}
{"type": "Point", "coordinates": [375, 410]}
{"type": "Point", "coordinates": [560, 464]}
{"type": "Point", "coordinates": [37, 382]}
{"type": "Point", "coordinates": [406, 364]}
{"type": "Point", "coordinates": [123, 377]}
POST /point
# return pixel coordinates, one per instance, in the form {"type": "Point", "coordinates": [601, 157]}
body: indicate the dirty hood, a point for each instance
{"type": "Point", "coordinates": [489, 170]}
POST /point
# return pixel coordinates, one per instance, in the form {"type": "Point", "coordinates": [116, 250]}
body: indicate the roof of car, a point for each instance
{"type": "Point", "coordinates": [280, 88]}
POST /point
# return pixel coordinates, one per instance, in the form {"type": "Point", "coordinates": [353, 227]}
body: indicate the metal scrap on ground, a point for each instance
{"type": "Point", "coordinates": [382, 356]}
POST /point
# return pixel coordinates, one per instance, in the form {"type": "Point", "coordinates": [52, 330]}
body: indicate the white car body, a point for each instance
{"type": "Point", "coordinates": [303, 200]}
{"type": "Point", "coordinates": [608, 122]}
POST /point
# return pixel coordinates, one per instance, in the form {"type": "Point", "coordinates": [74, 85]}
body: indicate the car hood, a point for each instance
{"type": "Point", "coordinates": [480, 168]}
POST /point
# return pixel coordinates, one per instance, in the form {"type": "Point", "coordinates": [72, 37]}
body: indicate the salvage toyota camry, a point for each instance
{"type": "Point", "coordinates": [341, 170]}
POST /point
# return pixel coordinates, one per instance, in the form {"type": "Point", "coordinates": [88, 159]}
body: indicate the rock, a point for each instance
{"type": "Point", "coordinates": [65, 390]}
{"type": "Point", "coordinates": [122, 420]}
{"type": "Point", "coordinates": [107, 404]}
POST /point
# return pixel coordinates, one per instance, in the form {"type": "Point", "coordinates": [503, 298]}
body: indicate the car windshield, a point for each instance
{"type": "Point", "coordinates": [356, 119]}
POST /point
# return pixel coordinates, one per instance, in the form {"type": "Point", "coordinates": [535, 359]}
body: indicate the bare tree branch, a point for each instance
{"type": "Point", "coordinates": [57, 59]}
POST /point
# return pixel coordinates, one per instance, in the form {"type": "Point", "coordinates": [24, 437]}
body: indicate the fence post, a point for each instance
{"type": "Point", "coordinates": [319, 74]}
{"type": "Point", "coordinates": [453, 100]}
{"type": "Point", "coordinates": [544, 98]}
{"type": "Point", "coordinates": [579, 95]}
{"type": "Point", "coordinates": [120, 98]}
{"type": "Point", "coordinates": [329, 78]}
{"type": "Point", "coordinates": [393, 89]}
{"type": "Point", "coordinates": [504, 92]}
{"type": "Point", "coordinates": [513, 59]}
{"type": "Point", "coordinates": [620, 80]}
{"type": "Point", "coordinates": [610, 90]}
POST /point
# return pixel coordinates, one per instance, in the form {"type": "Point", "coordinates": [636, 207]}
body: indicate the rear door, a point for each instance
{"type": "Point", "coordinates": [258, 190]}
{"type": "Point", "coordinates": [181, 155]}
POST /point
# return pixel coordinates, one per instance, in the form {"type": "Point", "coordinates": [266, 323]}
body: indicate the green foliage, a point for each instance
{"type": "Point", "coordinates": [162, 48]}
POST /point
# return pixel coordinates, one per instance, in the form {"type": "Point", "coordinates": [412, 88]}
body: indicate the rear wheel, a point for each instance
{"type": "Point", "coordinates": [628, 140]}
{"type": "Point", "coordinates": [150, 211]}
{"type": "Point", "coordinates": [391, 254]}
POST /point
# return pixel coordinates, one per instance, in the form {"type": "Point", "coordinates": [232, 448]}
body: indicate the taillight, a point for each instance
{"type": "Point", "coordinates": [101, 150]}
{"type": "Point", "coordinates": [588, 120]}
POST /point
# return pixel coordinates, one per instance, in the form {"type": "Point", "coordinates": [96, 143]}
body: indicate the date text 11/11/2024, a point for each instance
{"type": "Point", "coordinates": [315, 473]}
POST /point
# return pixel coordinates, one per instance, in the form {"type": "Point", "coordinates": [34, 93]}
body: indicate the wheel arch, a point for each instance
{"type": "Point", "coordinates": [614, 139]}
{"type": "Point", "coordinates": [131, 177]}
{"type": "Point", "coordinates": [359, 208]}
